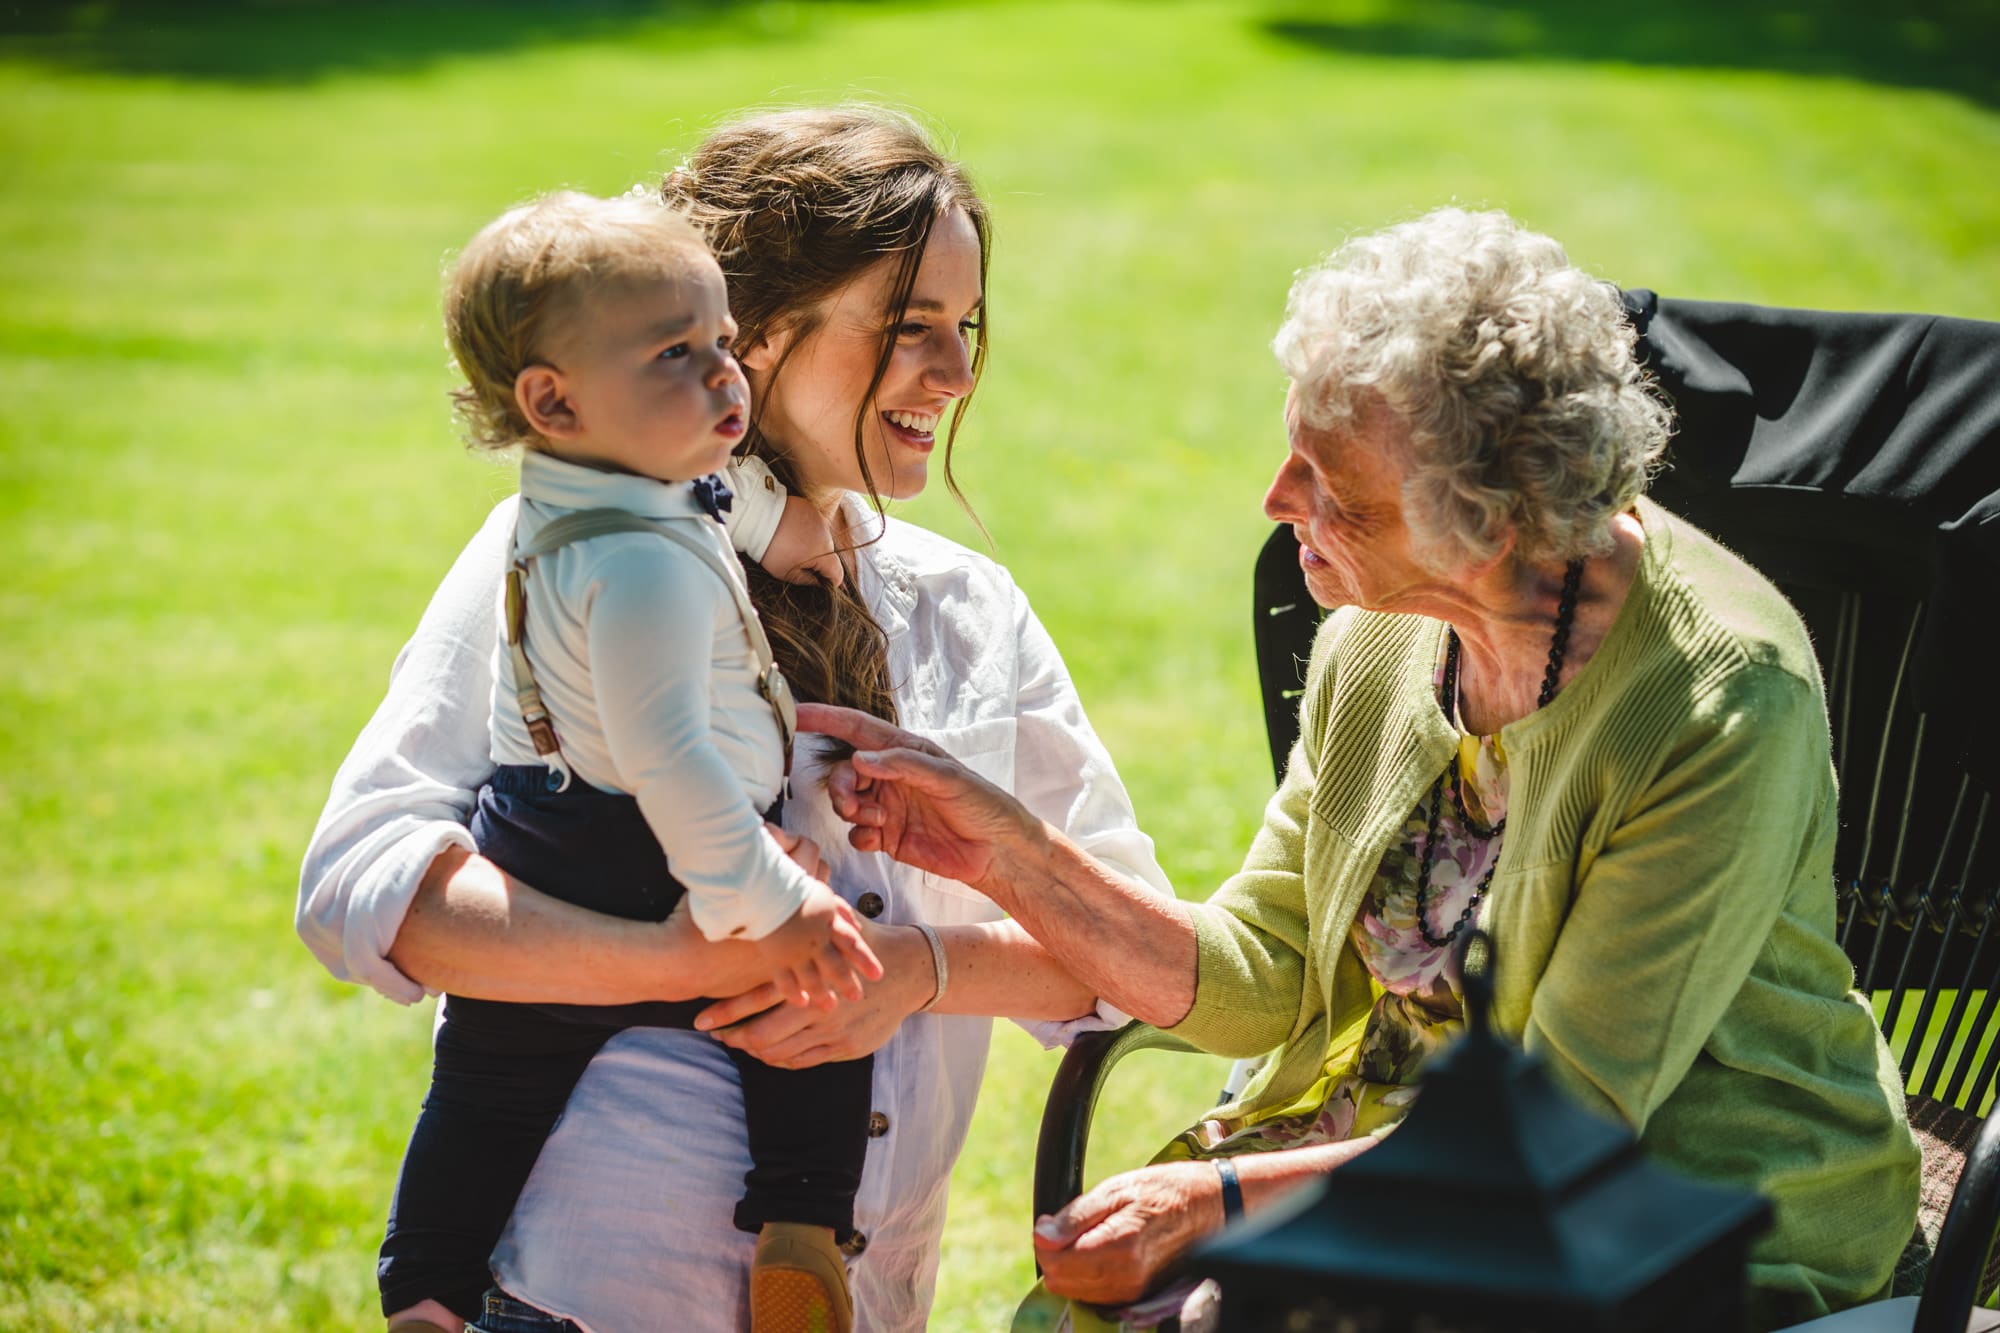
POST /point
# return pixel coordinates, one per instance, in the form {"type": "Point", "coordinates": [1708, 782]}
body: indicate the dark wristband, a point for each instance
{"type": "Point", "coordinates": [1232, 1190]}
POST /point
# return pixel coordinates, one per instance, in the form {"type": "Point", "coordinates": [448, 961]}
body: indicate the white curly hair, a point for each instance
{"type": "Point", "coordinates": [1512, 371]}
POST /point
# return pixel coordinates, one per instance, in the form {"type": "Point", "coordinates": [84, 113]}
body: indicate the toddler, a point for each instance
{"type": "Point", "coordinates": [638, 724]}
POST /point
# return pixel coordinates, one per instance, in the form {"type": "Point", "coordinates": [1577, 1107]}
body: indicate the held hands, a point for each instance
{"type": "Point", "coordinates": [802, 548]}
{"type": "Point", "coordinates": [786, 1036]}
{"type": "Point", "coordinates": [910, 799]}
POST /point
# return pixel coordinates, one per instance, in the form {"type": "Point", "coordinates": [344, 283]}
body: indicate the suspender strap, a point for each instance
{"type": "Point", "coordinates": [588, 523]}
{"type": "Point", "coordinates": [526, 697]}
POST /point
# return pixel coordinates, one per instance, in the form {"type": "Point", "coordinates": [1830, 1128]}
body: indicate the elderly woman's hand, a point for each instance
{"type": "Point", "coordinates": [910, 799]}
{"type": "Point", "coordinates": [1112, 1243]}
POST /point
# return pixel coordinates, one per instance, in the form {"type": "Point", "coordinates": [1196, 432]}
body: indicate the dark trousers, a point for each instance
{"type": "Point", "coordinates": [503, 1072]}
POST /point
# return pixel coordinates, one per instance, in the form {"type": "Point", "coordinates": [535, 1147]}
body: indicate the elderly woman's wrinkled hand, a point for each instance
{"type": "Point", "coordinates": [911, 800]}
{"type": "Point", "coordinates": [1112, 1243]}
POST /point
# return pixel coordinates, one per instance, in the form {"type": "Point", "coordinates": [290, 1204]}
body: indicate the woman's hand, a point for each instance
{"type": "Point", "coordinates": [791, 1037]}
{"type": "Point", "coordinates": [803, 549]}
{"type": "Point", "coordinates": [1111, 1244]}
{"type": "Point", "coordinates": [910, 799]}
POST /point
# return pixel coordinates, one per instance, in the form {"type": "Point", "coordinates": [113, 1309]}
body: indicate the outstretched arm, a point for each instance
{"type": "Point", "coordinates": [996, 971]}
{"type": "Point", "coordinates": [906, 797]}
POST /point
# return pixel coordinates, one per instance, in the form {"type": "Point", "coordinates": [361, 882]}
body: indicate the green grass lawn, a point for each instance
{"type": "Point", "coordinates": [228, 480]}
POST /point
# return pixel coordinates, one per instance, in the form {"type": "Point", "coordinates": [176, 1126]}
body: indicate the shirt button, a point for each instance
{"type": "Point", "coordinates": [869, 905]}
{"type": "Point", "coordinates": [878, 1124]}
{"type": "Point", "coordinates": [854, 1245]}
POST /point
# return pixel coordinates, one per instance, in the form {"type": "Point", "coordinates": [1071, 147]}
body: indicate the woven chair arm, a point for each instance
{"type": "Point", "coordinates": [1956, 1280]}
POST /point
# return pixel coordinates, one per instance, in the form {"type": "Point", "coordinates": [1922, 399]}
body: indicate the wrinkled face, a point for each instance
{"type": "Point", "coordinates": [647, 371]}
{"type": "Point", "coordinates": [1341, 490]}
{"type": "Point", "coordinates": [809, 409]}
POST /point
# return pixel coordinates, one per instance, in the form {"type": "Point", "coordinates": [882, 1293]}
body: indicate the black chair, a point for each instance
{"type": "Point", "coordinates": [1855, 460]}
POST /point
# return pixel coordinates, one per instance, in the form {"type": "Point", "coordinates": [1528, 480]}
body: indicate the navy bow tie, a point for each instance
{"type": "Point", "coordinates": [712, 495]}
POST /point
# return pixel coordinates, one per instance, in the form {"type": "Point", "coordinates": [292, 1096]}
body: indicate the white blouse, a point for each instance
{"type": "Point", "coordinates": [643, 662]}
{"type": "Point", "coordinates": [625, 1223]}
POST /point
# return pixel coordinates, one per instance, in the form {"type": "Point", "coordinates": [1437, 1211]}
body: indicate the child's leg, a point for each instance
{"type": "Point", "coordinates": [808, 1134]}
{"type": "Point", "coordinates": [502, 1076]}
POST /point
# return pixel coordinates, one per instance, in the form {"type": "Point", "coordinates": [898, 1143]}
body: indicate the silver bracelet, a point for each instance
{"type": "Point", "coordinates": [938, 962]}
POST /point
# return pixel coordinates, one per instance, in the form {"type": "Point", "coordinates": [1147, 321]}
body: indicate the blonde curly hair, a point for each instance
{"type": "Point", "coordinates": [1512, 371]}
{"type": "Point", "coordinates": [517, 285]}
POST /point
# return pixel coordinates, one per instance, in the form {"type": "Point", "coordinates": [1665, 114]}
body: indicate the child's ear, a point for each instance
{"type": "Point", "coordinates": [543, 397]}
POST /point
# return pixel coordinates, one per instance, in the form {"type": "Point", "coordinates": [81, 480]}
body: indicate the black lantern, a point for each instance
{"type": "Point", "coordinates": [1498, 1204]}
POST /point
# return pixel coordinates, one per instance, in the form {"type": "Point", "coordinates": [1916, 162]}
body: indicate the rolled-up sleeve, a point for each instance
{"type": "Point", "coordinates": [407, 788]}
{"type": "Point", "coordinates": [757, 506]}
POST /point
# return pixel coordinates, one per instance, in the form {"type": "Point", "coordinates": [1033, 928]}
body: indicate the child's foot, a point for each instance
{"type": "Point", "coordinates": [798, 1282]}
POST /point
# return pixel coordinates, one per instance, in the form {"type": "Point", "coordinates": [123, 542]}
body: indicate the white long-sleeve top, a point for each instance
{"type": "Point", "coordinates": [647, 671]}
{"type": "Point", "coordinates": [625, 1223]}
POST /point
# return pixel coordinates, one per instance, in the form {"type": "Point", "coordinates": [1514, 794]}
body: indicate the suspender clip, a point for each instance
{"type": "Point", "coordinates": [543, 733]}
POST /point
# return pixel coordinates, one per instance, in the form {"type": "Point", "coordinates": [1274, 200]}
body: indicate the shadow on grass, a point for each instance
{"type": "Point", "coordinates": [293, 41]}
{"type": "Point", "coordinates": [1950, 46]}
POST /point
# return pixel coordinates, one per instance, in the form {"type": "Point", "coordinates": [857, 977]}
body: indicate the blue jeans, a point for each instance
{"type": "Point", "coordinates": [501, 1313]}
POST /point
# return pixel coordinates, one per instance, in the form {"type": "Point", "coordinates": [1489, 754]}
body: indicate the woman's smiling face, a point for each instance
{"type": "Point", "coordinates": [809, 409]}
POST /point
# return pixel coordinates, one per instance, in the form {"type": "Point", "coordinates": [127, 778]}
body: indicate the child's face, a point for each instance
{"type": "Point", "coordinates": [650, 383]}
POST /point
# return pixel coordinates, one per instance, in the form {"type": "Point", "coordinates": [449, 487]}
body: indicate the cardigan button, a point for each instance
{"type": "Point", "coordinates": [869, 904]}
{"type": "Point", "coordinates": [878, 1124]}
{"type": "Point", "coordinates": [854, 1245]}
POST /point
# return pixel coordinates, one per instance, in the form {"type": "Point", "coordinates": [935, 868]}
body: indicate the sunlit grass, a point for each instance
{"type": "Point", "coordinates": [228, 481]}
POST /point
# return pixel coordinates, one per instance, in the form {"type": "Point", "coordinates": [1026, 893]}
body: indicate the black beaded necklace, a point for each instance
{"type": "Point", "coordinates": [1558, 647]}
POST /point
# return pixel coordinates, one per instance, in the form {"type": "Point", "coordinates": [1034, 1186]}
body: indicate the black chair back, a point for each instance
{"type": "Point", "coordinates": [1917, 866]}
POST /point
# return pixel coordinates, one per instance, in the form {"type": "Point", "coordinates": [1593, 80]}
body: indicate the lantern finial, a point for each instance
{"type": "Point", "coordinates": [1476, 958]}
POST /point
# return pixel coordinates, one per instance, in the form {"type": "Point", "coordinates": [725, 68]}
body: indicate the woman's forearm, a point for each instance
{"type": "Point", "coordinates": [1123, 941]}
{"type": "Point", "coordinates": [1000, 971]}
{"type": "Point", "coordinates": [1267, 1177]}
{"type": "Point", "coordinates": [474, 931]}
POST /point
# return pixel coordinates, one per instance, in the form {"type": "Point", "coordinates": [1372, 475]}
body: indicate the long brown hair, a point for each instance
{"type": "Point", "coordinates": [796, 205]}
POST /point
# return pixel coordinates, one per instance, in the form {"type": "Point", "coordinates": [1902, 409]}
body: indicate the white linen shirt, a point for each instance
{"type": "Point", "coordinates": [625, 1222]}
{"type": "Point", "coordinates": [643, 661]}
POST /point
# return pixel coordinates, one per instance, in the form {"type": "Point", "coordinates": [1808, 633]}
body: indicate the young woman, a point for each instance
{"type": "Point", "coordinates": [856, 256]}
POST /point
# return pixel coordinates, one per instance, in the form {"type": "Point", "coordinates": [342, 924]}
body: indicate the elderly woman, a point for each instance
{"type": "Point", "coordinates": [1544, 705]}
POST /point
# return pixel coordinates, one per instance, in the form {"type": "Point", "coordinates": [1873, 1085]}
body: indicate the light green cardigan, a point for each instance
{"type": "Point", "coordinates": [1662, 913]}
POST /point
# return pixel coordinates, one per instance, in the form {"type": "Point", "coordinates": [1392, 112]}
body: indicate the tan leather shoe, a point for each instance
{"type": "Point", "coordinates": [798, 1282]}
